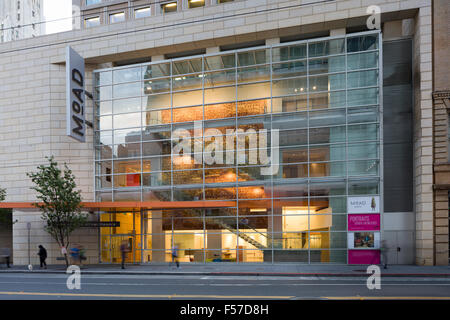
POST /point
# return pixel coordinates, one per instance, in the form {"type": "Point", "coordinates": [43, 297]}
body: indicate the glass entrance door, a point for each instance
{"type": "Point", "coordinates": [116, 254]}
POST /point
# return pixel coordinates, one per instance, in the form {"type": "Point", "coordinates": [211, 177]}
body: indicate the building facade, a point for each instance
{"type": "Point", "coordinates": [245, 131]}
{"type": "Point", "coordinates": [441, 130]}
{"type": "Point", "coordinates": [20, 19]}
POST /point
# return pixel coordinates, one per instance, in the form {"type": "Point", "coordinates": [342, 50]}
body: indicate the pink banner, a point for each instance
{"type": "Point", "coordinates": [363, 222]}
{"type": "Point", "coordinates": [364, 256]}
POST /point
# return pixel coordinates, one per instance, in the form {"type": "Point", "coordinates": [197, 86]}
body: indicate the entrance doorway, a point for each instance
{"type": "Point", "coordinates": [116, 254]}
{"type": "Point", "coordinates": [400, 248]}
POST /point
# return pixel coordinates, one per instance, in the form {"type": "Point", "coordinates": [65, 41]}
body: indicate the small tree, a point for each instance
{"type": "Point", "coordinates": [60, 202]}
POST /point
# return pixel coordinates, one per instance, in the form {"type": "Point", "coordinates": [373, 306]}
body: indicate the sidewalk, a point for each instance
{"type": "Point", "coordinates": [233, 269]}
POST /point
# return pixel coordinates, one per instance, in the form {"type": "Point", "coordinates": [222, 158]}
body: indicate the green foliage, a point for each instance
{"type": "Point", "coordinates": [60, 202]}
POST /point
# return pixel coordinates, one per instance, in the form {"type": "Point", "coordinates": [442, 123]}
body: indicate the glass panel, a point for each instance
{"type": "Point", "coordinates": [247, 108]}
{"type": "Point", "coordinates": [187, 66]}
{"type": "Point", "coordinates": [327, 169]}
{"type": "Point", "coordinates": [187, 194]}
{"type": "Point", "coordinates": [156, 70]}
{"type": "Point", "coordinates": [289, 69]}
{"type": "Point", "coordinates": [103, 137]}
{"type": "Point", "coordinates": [188, 177]}
{"type": "Point", "coordinates": [293, 137]}
{"type": "Point", "coordinates": [254, 91]}
{"type": "Point", "coordinates": [330, 205]}
{"type": "Point", "coordinates": [127, 105]}
{"type": "Point", "coordinates": [363, 167]}
{"type": "Point", "coordinates": [160, 101]}
{"type": "Point", "coordinates": [289, 121]}
{"type": "Point", "coordinates": [127, 75]}
{"type": "Point", "coordinates": [103, 93]}
{"type": "Point", "coordinates": [190, 98]}
{"type": "Point", "coordinates": [127, 180]}
{"type": "Point", "coordinates": [103, 78]}
{"type": "Point", "coordinates": [156, 179]}
{"type": "Point", "coordinates": [362, 43]}
{"type": "Point", "coordinates": [127, 120]}
{"type": "Point", "coordinates": [363, 151]}
{"type": "Point", "coordinates": [157, 85]}
{"type": "Point", "coordinates": [363, 187]}
{"type": "Point", "coordinates": [327, 83]}
{"type": "Point", "coordinates": [326, 65]}
{"type": "Point", "coordinates": [362, 61]}
{"type": "Point", "coordinates": [156, 117]}
{"type": "Point", "coordinates": [220, 62]}
{"type": "Point", "coordinates": [360, 115]}
{"type": "Point", "coordinates": [127, 166]}
{"type": "Point", "coordinates": [127, 90]}
{"type": "Point", "coordinates": [218, 95]}
{"type": "Point", "coordinates": [127, 135]}
{"type": "Point", "coordinates": [362, 79]}
{"type": "Point", "coordinates": [363, 132]}
{"type": "Point", "coordinates": [290, 86]}
{"type": "Point", "coordinates": [260, 73]}
{"type": "Point", "coordinates": [220, 78]}
{"type": "Point", "coordinates": [326, 118]}
{"type": "Point", "coordinates": [105, 123]}
{"type": "Point", "coordinates": [104, 107]}
{"type": "Point", "coordinates": [188, 82]}
{"type": "Point", "coordinates": [129, 150]}
{"type": "Point", "coordinates": [293, 52]}
{"type": "Point", "coordinates": [363, 97]}
{"type": "Point", "coordinates": [325, 48]}
{"type": "Point", "coordinates": [290, 104]}
{"type": "Point", "coordinates": [217, 111]}
{"type": "Point", "coordinates": [220, 193]}
{"type": "Point", "coordinates": [187, 114]}
{"type": "Point", "coordinates": [249, 58]}
{"type": "Point", "coordinates": [326, 135]}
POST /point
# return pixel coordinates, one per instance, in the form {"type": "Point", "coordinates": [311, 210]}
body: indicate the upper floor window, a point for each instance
{"type": "Point", "coordinates": [117, 17]}
{"type": "Point", "coordinates": [91, 2]}
{"type": "Point", "coordinates": [91, 22]}
{"type": "Point", "coordinates": [223, 1]}
{"type": "Point", "coordinates": [196, 3]}
{"type": "Point", "coordinates": [18, 5]}
{"type": "Point", "coordinates": [142, 12]}
{"type": "Point", "coordinates": [169, 7]}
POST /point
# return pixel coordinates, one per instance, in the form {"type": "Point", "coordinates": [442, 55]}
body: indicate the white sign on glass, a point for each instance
{"type": "Point", "coordinates": [363, 204]}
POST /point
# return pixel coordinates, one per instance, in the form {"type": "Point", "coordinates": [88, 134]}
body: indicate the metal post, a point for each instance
{"type": "Point", "coordinates": [29, 248]}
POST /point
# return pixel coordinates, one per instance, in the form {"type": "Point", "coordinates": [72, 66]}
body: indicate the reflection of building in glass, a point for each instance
{"type": "Point", "coordinates": [21, 19]}
{"type": "Point", "coordinates": [323, 97]}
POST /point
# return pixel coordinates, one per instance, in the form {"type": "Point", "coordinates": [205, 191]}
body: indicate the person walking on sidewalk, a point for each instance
{"type": "Point", "coordinates": [6, 253]}
{"type": "Point", "coordinates": [124, 250]}
{"type": "Point", "coordinates": [175, 255]}
{"type": "Point", "coordinates": [42, 256]}
{"type": "Point", "coordinates": [383, 251]}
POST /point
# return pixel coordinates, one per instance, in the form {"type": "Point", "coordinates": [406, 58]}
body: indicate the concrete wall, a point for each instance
{"type": "Point", "coordinates": [32, 84]}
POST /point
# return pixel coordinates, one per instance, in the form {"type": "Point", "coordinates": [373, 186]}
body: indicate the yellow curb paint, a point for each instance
{"type": "Point", "coordinates": [138, 295]}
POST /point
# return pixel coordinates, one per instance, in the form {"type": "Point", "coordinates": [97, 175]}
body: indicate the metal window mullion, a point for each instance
{"type": "Point", "coordinates": [271, 149]}
{"type": "Point", "coordinates": [171, 131]}
{"type": "Point", "coordinates": [308, 149]}
{"type": "Point", "coordinates": [236, 165]}
{"type": "Point", "coordinates": [346, 134]}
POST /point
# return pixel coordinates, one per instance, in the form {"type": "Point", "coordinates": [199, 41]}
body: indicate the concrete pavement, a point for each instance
{"type": "Point", "coordinates": [250, 269]}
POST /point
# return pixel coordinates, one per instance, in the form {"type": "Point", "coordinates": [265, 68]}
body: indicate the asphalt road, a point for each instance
{"type": "Point", "coordinates": [16, 286]}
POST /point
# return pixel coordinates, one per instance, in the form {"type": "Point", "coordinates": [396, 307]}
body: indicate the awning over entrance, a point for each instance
{"type": "Point", "coordinates": [135, 204]}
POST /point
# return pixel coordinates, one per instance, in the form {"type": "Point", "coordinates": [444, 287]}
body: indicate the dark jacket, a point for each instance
{"type": "Point", "coordinates": [42, 252]}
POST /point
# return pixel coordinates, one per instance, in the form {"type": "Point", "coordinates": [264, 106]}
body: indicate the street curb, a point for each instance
{"type": "Point", "coordinates": [258, 274]}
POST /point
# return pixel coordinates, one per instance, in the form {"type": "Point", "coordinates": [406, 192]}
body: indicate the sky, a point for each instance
{"type": "Point", "coordinates": [57, 10]}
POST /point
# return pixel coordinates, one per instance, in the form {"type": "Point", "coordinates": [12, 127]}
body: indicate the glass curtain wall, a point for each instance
{"type": "Point", "coordinates": [285, 133]}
